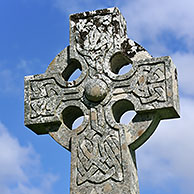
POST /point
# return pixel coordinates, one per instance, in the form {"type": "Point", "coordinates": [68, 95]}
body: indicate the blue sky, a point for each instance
{"type": "Point", "coordinates": [32, 32]}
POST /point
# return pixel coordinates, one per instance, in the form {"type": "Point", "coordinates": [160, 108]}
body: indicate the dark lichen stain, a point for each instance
{"type": "Point", "coordinates": [175, 73]}
{"type": "Point", "coordinates": [97, 22]}
{"type": "Point", "coordinates": [125, 45]}
{"type": "Point", "coordinates": [139, 47]}
{"type": "Point", "coordinates": [127, 49]}
{"type": "Point", "coordinates": [116, 27]}
{"type": "Point", "coordinates": [82, 38]}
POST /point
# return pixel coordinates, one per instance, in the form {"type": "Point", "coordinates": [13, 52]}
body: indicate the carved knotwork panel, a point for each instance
{"type": "Point", "coordinates": [99, 154]}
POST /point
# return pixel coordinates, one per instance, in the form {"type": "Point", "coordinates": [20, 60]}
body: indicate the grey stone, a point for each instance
{"type": "Point", "coordinates": [102, 149]}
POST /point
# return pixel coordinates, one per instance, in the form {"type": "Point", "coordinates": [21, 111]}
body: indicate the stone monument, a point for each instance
{"type": "Point", "coordinates": [102, 149]}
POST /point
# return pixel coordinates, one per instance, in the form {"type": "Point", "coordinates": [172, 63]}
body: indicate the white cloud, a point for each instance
{"type": "Point", "coordinates": [168, 155]}
{"type": "Point", "coordinates": [24, 66]}
{"type": "Point", "coordinates": [185, 66]}
{"type": "Point", "coordinates": [147, 20]}
{"type": "Point", "coordinates": [19, 166]}
{"type": "Point", "coordinates": [11, 77]}
{"type": "Point", "coordinates": [7, 81]}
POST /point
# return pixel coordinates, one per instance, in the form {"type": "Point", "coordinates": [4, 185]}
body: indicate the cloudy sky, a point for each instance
{"type": "Point", "coordinates": [32, 32]}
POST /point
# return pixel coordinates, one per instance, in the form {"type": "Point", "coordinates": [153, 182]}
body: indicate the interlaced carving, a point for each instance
{"type": "Point", "coordinates": [46, 96]}
{"type": "Point", "coordinates": [151, 85]}
{"type": "Point", "coordinates": [42, 92]}
{"type": "Point", "coordinates": [99, 154]}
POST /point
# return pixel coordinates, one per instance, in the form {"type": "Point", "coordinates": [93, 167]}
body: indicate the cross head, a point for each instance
{"type": "Point", "coordinates": [102, 149]}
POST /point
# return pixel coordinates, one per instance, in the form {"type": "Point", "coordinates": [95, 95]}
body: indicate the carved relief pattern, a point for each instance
{"type": "Point", "coordinates": [147, 83]}
{"type": "Point", "coordinates": [151, 85]}
{"type": "Point", "coordinates": [43, 97]}
{"type": "Point", "coordinates": [99, 154]}
{"type": "Point", "coordinates": [47, 94]}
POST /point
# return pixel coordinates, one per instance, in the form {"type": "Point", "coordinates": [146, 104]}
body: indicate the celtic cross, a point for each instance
{"type": "Point", "coordinates": [102, 149]}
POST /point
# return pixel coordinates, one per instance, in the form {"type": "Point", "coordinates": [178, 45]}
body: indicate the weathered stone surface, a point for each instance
{"type": "Point", "coordinates": [102, 149]}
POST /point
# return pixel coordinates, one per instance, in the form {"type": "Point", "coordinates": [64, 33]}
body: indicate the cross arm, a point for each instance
{"type": "Point", "coordinates": [157, 87]}
{"type": "Point", "coordinates": [158, 94]}
{"type": "Point", "coordinates": [41, 99]}
{"type": "Point", "coordinates": [44, 93]}
{"type": "Point", "coordinates": [150, 88]}
{"type": "Point", "coordinates": [150, 85]}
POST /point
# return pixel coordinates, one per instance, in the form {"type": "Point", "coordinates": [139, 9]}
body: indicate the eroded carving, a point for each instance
{"type": "Point", "coordinates": [150, 85]}
{"type": "Point", "coordinates": [99, 154]}
{"type": "Point", "coordinates": [44, 97]}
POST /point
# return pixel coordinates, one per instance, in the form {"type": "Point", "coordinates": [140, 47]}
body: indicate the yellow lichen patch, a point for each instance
{"type": "Point", "coordinates": [107, 188]}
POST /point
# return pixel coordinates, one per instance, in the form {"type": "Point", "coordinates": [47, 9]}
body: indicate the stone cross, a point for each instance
{"type": "Point", "coordinates": [102, 149]}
